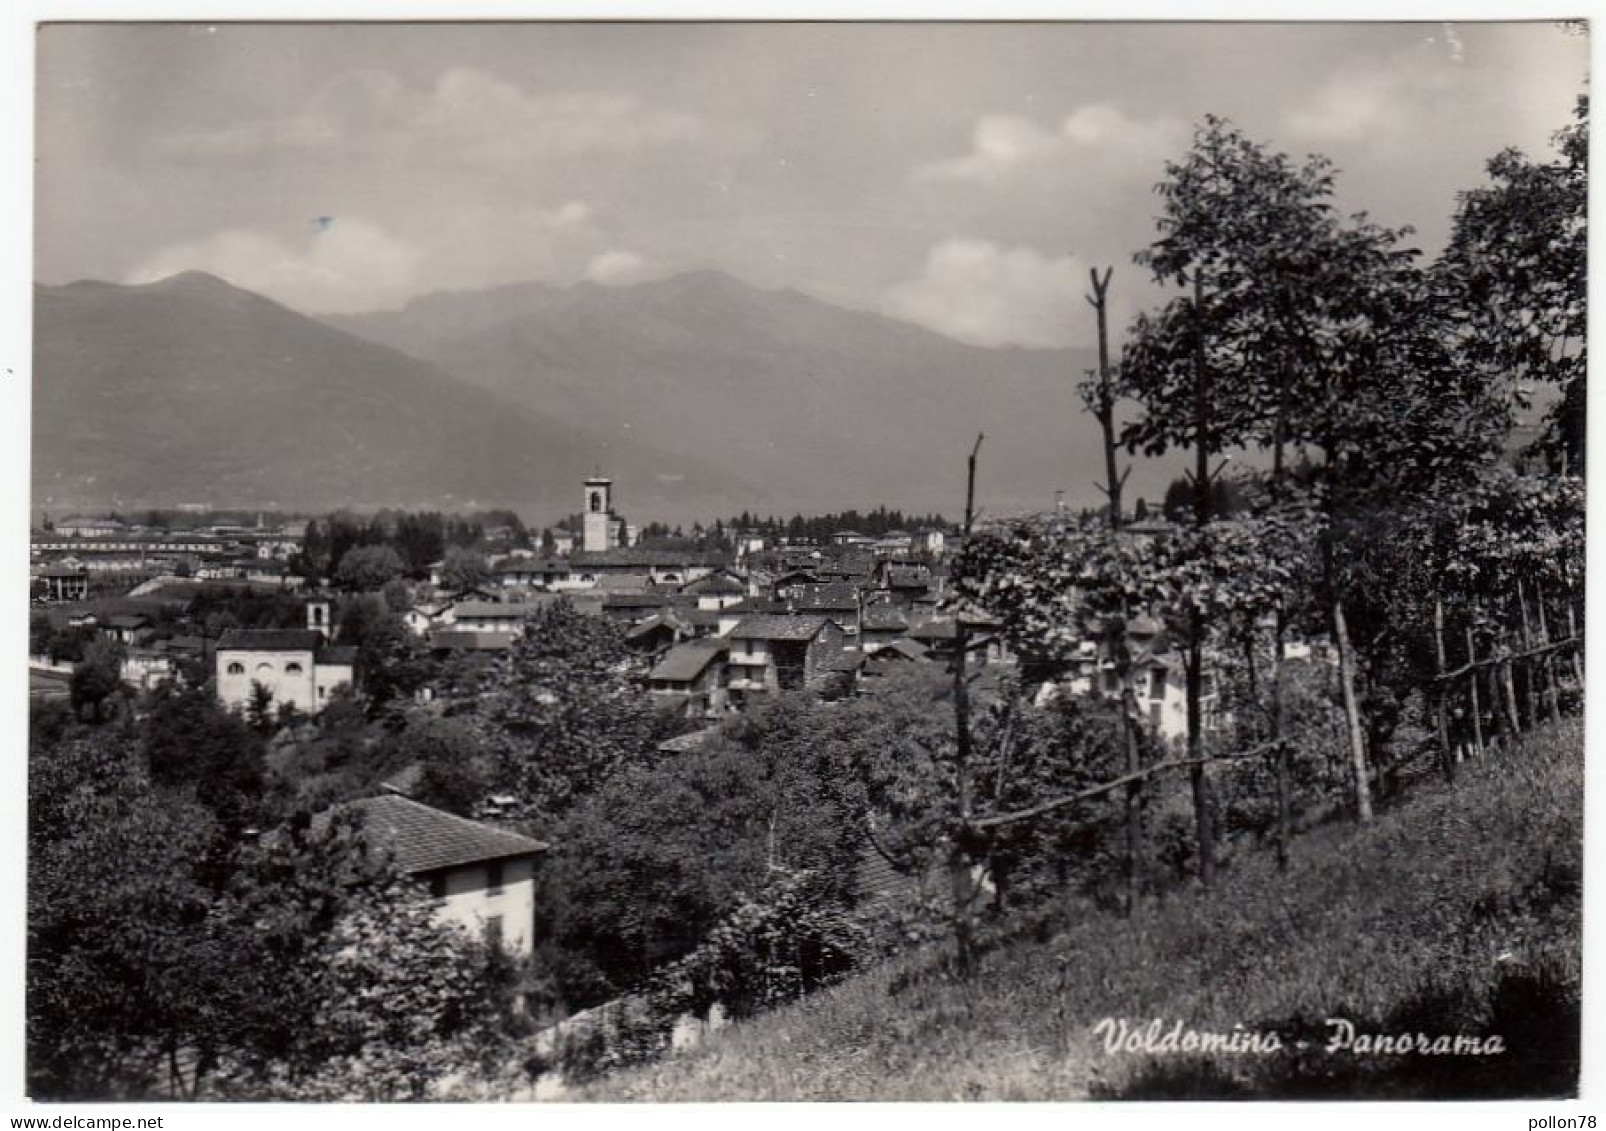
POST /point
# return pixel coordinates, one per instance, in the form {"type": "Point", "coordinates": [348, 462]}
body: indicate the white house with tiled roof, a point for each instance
{"type": "Point", "coordinates": [293, 663]}
{"type": "Point", "coordinates": [482, 877]}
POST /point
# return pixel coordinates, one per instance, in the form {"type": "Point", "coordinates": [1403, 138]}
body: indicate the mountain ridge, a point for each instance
{"type": "Point", "coordinates": [189, 389]}
{"type": "Point", "coordinates": [829, 406]}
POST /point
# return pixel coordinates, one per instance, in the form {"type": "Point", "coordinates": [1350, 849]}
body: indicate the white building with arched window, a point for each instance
{"type": "Point", "coordinates": [292, 663]}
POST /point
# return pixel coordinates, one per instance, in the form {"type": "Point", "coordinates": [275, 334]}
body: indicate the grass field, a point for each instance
{"type": "Point", "coordinates": [1457, 911]}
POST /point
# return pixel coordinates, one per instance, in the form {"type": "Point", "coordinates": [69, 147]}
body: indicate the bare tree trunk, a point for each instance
{"type": "Point", "coordinates": [1472, 688]}
{"type": "Point", "coordinates": [1528, 692]}
{"type": "Point", "coordinates": [959, 854]}
{"type": "Point", "coordinates": [1279, 758]}
{"type": "Point", "coordinates": [1441, 694]}
{"type": "Point", "coordinates": [1203, 803]}
{"type": "Point", "coordinates": [1103, 398]}
{"type": "Point", "coordinates": [1577, 650]}
{"type": "Point", "coordinates": [1134, 810]}
{"type": "Point", "coordinates": [1279, 719]}
{"type": "Point", "coordinates": [1551, 682]}
{"type": "Point", "coordinates": [1352, 713]}
{"type": "Point", "coordinates": [1203, 814]}
{"type": "Point", "coordinates": [1509, 686]}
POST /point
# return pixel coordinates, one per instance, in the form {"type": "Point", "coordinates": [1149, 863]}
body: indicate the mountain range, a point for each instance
{"type": "Point", "coordinates": [190, 390]}
{"type": "Point", "coordinates": [699, 394]}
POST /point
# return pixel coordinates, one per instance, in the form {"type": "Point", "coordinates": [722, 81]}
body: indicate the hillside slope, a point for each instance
{"type": "Point", "coordinates": [1457, 911]}
{"type": "Point", "coordinates": [829, 407]}
{"type": "Point", "coordinates": [192, 390]}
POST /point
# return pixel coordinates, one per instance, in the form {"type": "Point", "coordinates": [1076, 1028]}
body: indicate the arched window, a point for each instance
{"type": "Point", "coordinates": [596, 502]}
{"type": "Point", "coordinates": [264, 668]}
{"type": "Point", "coordinates": [292, 668]}
{"type": "Point", "coordinates": [236, 668]}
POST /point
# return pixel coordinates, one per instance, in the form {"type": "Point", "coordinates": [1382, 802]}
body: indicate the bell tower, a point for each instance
{"type": "Point", "coordinates": [597, 523]}
{"type": "Point", "coordinates": [318, 619]}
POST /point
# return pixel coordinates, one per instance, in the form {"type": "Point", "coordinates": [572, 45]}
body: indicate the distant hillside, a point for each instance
{"type": "Point", "coordinates": [190, 390]}
{"type": "Point", "coordinates": [823, 408]}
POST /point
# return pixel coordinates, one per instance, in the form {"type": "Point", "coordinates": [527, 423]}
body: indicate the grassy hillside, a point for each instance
{"type": "Point", "coordinates": [1456, 911]}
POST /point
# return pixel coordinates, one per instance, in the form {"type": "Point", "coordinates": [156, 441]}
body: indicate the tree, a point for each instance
{"type": "Point", "coordinates": [364, 569]}
{"type": "Point", "coordinates": [116, 899]}
{"type": "Point", "coordinates": [392, 663]}
{"type": "Point", "coordinates": [454, 774]}
{"type": "Point", "coordinates": [563, 709]}
{"type": "Point", "coordinates": [464, 569]}
{"type": "Point", "coordinates": [40, 634]}
{"type": "Point", "coordinates": [97, 677]}
{"type": "Point", "coordinates": [191, 743]}
{"type": "Point", "coordinates": [259, 708]}
{"type": "Point", "coordinates": [644, 868]}
{"type": "Point", "coordinates": [348, 987]}
{"type": "Point", "coordinates": [1302, 330]}
{"type": "Point", "coordinates": [1514, 277]}
{"type": "Point", "coordinates": [1238, 224]}
{"type": "Point", "coordinates": [1099, 395]}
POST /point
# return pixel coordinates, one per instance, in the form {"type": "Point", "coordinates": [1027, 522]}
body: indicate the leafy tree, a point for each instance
{"type": "Point", "coordinates": [191, 743]}
{"type": "Point", "coordinates": [1514, 276]}
{"type": "Point", "coordinates": [563, 709]}
{"type": "Point", "coordinates": [259, 708]}
{"type": "Point", "coordinates": [454, 774]}
{"type": "Point", "coordinates": [392, 663]}
{"type": "Point", "coordinates": [464, 569]}
{"type": "Point", "coordinates": [116, 898]}
{"type": "Point", "coordinates": [645, 867]}
{"type": "Point", "coordinates": [97, 677]}
{"type": "Point", "coordinates": [347, 987]}
{"type": "Point", "coordinates": [398, 597]}
{"type": "Point", "coordinates": [365, 569]}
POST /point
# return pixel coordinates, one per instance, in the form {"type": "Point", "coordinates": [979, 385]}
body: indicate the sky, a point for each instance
{"type": "Point", "coordinates": [961, 176]}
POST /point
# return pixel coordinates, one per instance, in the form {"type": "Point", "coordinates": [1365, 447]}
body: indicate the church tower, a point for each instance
{"type": "Point", "coordinates": [598, 515]}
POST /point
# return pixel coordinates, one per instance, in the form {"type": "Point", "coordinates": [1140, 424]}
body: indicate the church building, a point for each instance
{"type": "Point", "coordinates": [601, 528]}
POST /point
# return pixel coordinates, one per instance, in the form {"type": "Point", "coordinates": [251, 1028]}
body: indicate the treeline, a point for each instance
{"type": "Point", "coordinates": [417, 538]}
{"type": "Point", "coordinates": [798, 528]}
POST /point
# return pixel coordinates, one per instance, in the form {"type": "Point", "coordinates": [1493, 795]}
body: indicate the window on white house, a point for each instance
{"type": "Point", "coordinates": [292, 668]}
{"type": "Point", "coordinates": [493, 878]}
{"type": "Point", "coordinates": [1156, 683]}
{"type": "Point", "coordinates": [236, 668]}
{"type": "Point", "coordinates": [437, 886]}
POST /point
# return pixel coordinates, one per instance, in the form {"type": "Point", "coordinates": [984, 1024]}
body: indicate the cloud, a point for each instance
{"type": "Point", "coordinates": [344, 266]}
{"type": "Point", "coordinates": [1002, 145]}
{"type": "Point", "coordinates": [572, 214]}
{"type": "Point", "coordinates": [619, 268]}
{"type": "Point", "coordinates": [466, 116]}
{"type": "Point", "coordinates": [988, 295]}
{"type": "Point", "coordinates": [1374, 100]}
